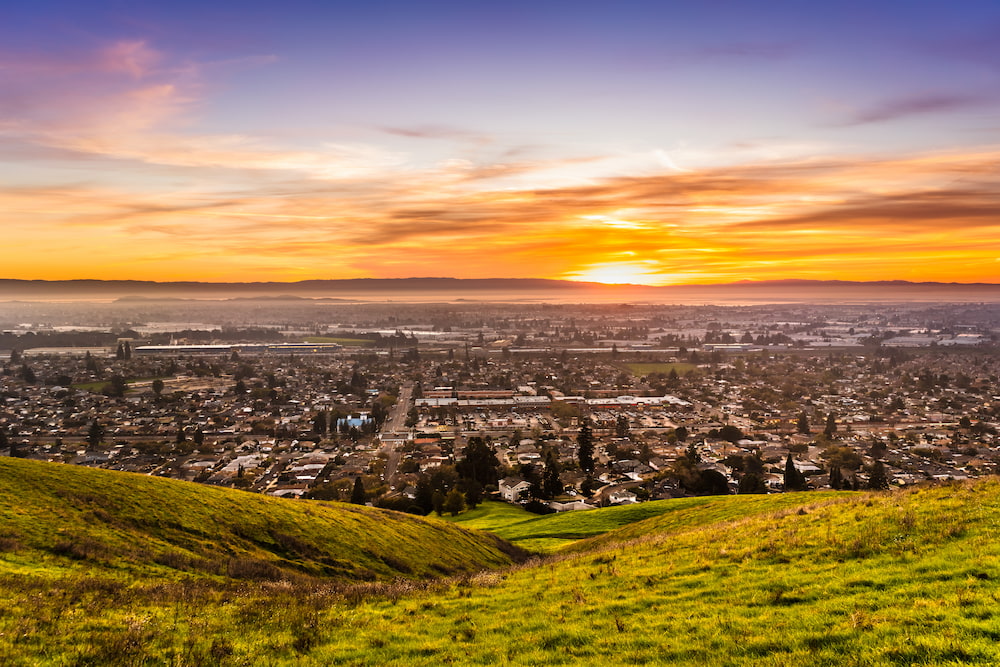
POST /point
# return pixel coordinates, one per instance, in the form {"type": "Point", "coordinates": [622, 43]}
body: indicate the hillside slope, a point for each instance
{"type": "Point", "coordinates": [71, 518]}
{"type": "Point", "coordinates": [862, 579]}
{"type": "Point", "coordinates": [910, 577]}
{"type": "Point", "coordinates": [584, 530]}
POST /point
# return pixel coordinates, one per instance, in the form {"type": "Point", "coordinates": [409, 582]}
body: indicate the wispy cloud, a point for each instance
{"type": "Point", "coordinates": [928, 103]}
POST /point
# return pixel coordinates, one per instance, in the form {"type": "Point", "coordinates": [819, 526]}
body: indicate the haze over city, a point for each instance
{"type": "Point", "coordinates": [639, 142]}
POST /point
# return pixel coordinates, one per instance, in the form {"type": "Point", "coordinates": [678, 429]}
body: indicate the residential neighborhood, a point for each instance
{"type": "Point", "coordinates": [566, 407]}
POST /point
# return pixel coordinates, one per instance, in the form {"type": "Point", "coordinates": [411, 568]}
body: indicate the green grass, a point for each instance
{"type": "Point", "coordinates": [98, 385]}
{"type": "Point", "coordinates": [641, 369]}
{"type": "Point", "coordinates": [68, 518]}
{"type": "Point", "coordinates": [491, 516]}
{"type": "Point", "coordinates": [551, 532]}
{"type": "Point", "coordinates": [346, 342]}
{"type": "Point", "coordinates": [904, 578]}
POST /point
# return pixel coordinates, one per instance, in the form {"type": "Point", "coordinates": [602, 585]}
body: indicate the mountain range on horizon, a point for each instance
{"type": "Point", "coordinates": [424, 282]}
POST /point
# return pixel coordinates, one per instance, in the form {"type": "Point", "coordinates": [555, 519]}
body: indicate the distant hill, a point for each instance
{"type": "Point", "coordinates": [501, 288]}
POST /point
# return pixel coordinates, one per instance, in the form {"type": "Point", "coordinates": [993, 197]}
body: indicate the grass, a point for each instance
{"type": "Point", "coordinates": [346, 342]}
{"type": "Point", "coordinates": [911, 577]}
{"type": "Point", "coordinates": [642, 369]}
{"type": "Point", "coordinates": [70, 519]}
{"type": "Point", "coordinates": [491, 516]}
{"type": "Point", "coordinates": [553, 532]}
{"type": "Point", "coordinates": [98, 385]}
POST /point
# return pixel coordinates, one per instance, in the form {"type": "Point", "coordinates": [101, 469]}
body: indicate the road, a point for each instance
{"type": "Point", "coordinates": [393, 428]}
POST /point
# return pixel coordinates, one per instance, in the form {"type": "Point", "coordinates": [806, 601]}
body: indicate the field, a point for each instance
{"type": "Point", "coordinates": [643, 369]}
{"type": "Point", "coordinates": [908, 577]}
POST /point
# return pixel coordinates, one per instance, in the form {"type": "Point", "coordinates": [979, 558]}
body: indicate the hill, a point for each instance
{"type": "Point", "coordinates": [504, 289]}
{"type": "Point", "coordinates": [868, 579]}
{"type": "Point", "coordinates": [590, 529]}
{"type": "Point", "coordinates": [67, 519]}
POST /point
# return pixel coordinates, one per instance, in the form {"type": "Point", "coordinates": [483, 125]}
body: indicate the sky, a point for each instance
{"type": "Point", "coordinates": [643, 142]}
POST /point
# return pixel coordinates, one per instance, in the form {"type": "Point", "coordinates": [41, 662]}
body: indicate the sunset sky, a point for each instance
{"type": "Point", "coordinates": [649, 142]}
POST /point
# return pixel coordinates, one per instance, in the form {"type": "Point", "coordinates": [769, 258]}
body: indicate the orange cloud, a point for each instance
{"type": "Point", "coordinates": [184, 205]}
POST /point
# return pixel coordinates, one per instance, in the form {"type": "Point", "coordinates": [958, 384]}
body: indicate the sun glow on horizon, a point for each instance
{"type": "Point", "coordinates": [618, 273]}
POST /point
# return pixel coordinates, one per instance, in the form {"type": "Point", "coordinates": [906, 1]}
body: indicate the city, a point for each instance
{"type": "Point", "coordinates": [299, 399]}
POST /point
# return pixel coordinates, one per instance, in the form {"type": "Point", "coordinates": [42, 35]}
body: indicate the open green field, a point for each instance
{"type": "Point", "coordinates": [904, 578]}
{"type": "Point", "coordinates": [346, 342]}
{"type": "Point", "coordinates": [101, 384]}
{"type": "Point", "coordinates": [642, 369]}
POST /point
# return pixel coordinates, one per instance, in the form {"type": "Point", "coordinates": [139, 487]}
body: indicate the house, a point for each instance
{"type": "Point", "coordinates": [511, 488]}
{"type": "Point", "coordinates": [622, 497]}
{"type": "Point", "coordinates": [571, 506]}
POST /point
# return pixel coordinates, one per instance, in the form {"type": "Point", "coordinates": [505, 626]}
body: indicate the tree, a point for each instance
{"type": "Point", "coordinates": [836, 478]}
{"type": "Point", "coordinates": [27, 374]}
{"type": "Point", "coordinates": [358, 493]}
{"type": "Point", "coordinates": [551, 485]}
{"type": "Point", "coordinates": [682, 433]}
{"type": "Point", "coordinates": [752, 482]}
{"type": "Point", "coordinates": [730, 433]}
{"type": "Point", "coordinates": [95, 434]}
{"type": "Point", "coordinates": [473, 493]}
{"type": "Point", "coordinates": [319, 424]}
{"type": "Point", "coordinates": [438, 501]}
{"type": "Point", "coordinates": [877, 479]}
{"type": "Point", "coordinates": [454, 502]}
{"type": "Point", "coordinates": [794, 480]}
{"type": "Point", "coordinates": [831, 425]}
{"type": "Point", "coordinates": [841, 456]}
{"type": "Point", "coordinates": [803, 424]}
{"type": "Point", "coordinates": [157, 387]}
{"type": "Point", "coordinates": [585, 447]}
{"type": "Point", "coordinates": [117, 387]}
{"type": "Point", "coordinates": [479, 462]}
{"type": "Point", "coordinates": [622, 426]}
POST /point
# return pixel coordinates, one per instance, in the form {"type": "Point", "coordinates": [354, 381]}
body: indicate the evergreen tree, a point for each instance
{"type": "Point", "coordinates": [319, 423]}
{"type": "Point", "coordinates": [358, 493]}
{"type": "Point", "coordinates": [95, 434]}
{"type": "Point", "coordinates": [794, 480]}
{"type": "Point", "coordinates": [622, 427]}
{"type": "Point", "coordinates": [479, 462]}
{"type": "Point", "coordinates": [836, 478]}
{"type": "Point", "coordinates": [157, 387]}
{"type": "Point", "coordinates": [585, 447]}
{"type": "Point", "coordinates": [551, 485]}
{"type": "Point", "coordinates": [682, 433]}
{"type": "Point", "coordinates": [803, 424]}
{"type": "Point", "coordinates": [831, 425]}
{"type": "Point", "coordinates": [877, 480]}
{"type": "Point", "coordinates": [473, 493]}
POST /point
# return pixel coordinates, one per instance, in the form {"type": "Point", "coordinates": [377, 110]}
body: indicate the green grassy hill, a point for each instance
{"type": "Point", "coordinates": [822, 579]}
{"type": "Point", "coordinates": [72, 519]}
{"type": "Point", "coordinates": [550, 533]}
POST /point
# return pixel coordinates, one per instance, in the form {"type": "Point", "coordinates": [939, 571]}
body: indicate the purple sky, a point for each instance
{"type": "Point", "coordinates": [151, 135]}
